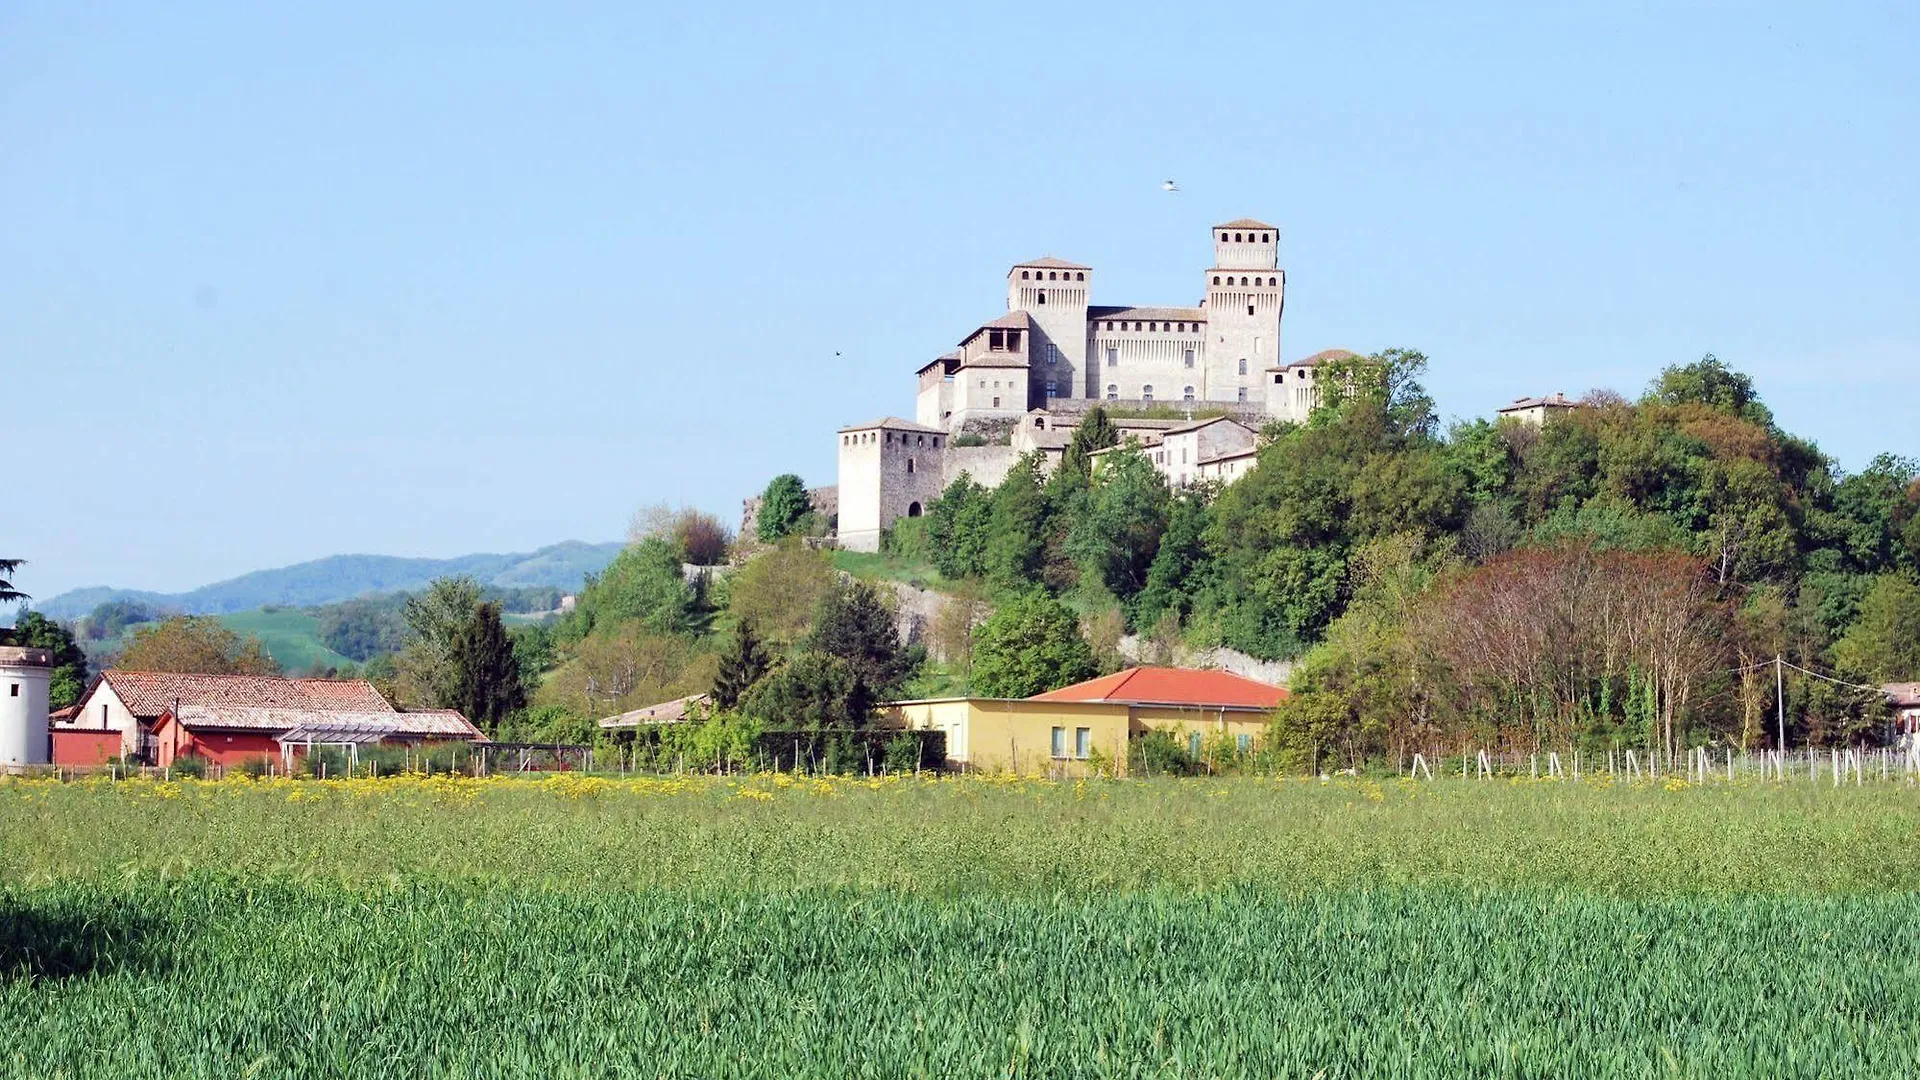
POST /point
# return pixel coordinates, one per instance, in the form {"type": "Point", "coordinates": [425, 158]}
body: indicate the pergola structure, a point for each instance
{"type": "Point", "coordinates": [347, 734]}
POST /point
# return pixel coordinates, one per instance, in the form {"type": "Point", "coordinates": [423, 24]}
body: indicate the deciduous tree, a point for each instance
{"type": "Point", "coordinates": [1030, 645]}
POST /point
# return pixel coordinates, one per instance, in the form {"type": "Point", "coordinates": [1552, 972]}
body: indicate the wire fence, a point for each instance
{"type": "Point", "coordinates": [1698, 765]}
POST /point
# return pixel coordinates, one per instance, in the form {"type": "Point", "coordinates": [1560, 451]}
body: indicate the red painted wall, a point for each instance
{"type": "Point", "coordinates": [215, 747]}
{"type": "Point", "coordinates": [85, 747]}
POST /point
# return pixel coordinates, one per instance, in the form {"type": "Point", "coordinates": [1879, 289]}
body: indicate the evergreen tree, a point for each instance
{"type": "Point", "coordinates": [8, 593]}
{"type": "Point", "coordinates": [741, 666]}
{"type": "Point", "coordinates": [1095, 432]}
{"type": "Point", "coordinates": [487, 687]}
{"type": "Point", "coordinates": [782, 506]}
{"type": "Point", "coordinates": [856, 625]}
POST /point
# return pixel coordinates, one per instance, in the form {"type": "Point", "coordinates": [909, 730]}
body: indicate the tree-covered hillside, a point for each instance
{"type": "Point", "coordinates": [343, 577]}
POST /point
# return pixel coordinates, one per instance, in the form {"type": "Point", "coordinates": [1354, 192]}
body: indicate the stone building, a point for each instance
{"type": "Point", "coordinates": [1020, 382]}
{"type": "Point", "coordinates": [1536, 411]}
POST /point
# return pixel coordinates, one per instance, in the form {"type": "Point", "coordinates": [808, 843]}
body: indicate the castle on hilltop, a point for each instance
{"type": "Point", "coordinates": [1021, 382]}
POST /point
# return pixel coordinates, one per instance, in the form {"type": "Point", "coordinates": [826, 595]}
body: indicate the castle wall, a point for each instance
{"type": "Point", "coordinates": [987, 465]}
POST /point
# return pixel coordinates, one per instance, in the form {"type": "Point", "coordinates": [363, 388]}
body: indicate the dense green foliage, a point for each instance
{"type": "Point", "coordinates": [782, 506]}
{"type": "Point", "coordinates": [486, 671]}
{"type": "Point", "coordinates": [1030, 645]}
{"type": "Point", "coordinates": [1370, 544]}
{"type": "Point", "coordinates": [69, 679]}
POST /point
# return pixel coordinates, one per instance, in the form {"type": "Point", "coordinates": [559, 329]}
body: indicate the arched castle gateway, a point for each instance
{"type": "Point", "coordinates": [1021, 382]}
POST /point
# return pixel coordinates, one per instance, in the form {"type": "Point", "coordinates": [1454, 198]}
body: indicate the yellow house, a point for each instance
{"type": "Point", "coordinates": [1075, 729]}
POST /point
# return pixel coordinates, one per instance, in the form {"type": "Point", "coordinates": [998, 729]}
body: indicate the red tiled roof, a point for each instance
{"type": "Point", "coordinates": [1171, 686]}
{"type": "Point", "coordinates": [428, 723]}
{"type": "Point", "coordinates": [150, 693]}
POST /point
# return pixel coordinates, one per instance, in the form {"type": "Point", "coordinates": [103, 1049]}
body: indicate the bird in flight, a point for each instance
{"type": "Point", "coordinates": [1170, 186]}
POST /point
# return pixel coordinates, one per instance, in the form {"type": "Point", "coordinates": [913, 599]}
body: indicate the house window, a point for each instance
{"type": "Point", "coordinates": [15, 690]}
{"type": "Point", "coordinates": [1146, 393]}
{"type": "Point", "coordinates": [1243, 742]}
{"type": "Point", "coordinates": [1186, 393]}
{"type": "Point", "coordinates": [1053, 352]}
{"type": "Point", "coordinates": [1082, 742]}
{"type": "Point", "coordinates": [1059, 742]}
{"type": "Point", "coordinates": [997, 341]}
{"type": "Point", "coordinates": [1249, 309]}
{"type": "Point", "coordinates": [1193, 744]}
{"type": "Point", "coordinates": [1243, 365]}
{"type": "Point", "coordinates": [996, 403]}
{"type": "Point", "coordinates": [1113, 394]}
{"type": "Point", "coordinates": [1243, 395]}
{"type": "Point", "coordinates": [1189, 358]}
{"type": "Point", "coordinates": [1113, 356]}
{"type": "Point", "coordinates": [1183, 455]}
{"type": "Point", "coordinates": [1051, 390]}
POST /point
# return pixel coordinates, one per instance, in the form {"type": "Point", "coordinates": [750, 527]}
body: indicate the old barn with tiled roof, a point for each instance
{"type": "Point", "coordinates": [132, 702]}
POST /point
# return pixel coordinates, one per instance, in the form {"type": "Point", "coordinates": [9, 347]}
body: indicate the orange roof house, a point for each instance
{"type": "Point", "coordinates": [1175, 687]}
{"type": "Point", "coordinates": [1074, 728]}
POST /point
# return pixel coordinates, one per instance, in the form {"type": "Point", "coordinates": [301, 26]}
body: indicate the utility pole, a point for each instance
{"type": "Point", "coordinates": [1780, 703]}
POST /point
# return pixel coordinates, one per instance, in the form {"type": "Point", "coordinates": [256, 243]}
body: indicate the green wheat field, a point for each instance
{"type": "Point", "coordinates": [774, 927]}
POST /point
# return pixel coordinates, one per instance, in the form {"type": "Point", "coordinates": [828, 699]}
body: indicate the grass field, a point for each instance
{"type": "Point", "coordinates": [774, 927]}
{"type": "Point", "coordinates": [291, 637]}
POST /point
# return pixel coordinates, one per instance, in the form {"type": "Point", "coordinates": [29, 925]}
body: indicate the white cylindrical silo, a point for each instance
{"type": "Point", "coordinates": [24, 675]}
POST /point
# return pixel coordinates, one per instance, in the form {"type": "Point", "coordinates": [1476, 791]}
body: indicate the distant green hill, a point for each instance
{"type": "Point", "coordinates": [291, 637]}
{"type": "Point", "coordinates": [343, 577]}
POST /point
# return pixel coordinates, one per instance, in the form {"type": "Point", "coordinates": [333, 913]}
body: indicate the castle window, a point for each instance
{"type": "Point", "coordinates": [1081, 276]}
{"type": "Point", "coordinates": [1113, 392]}
{"type": "Point", "coordinates": [1146, 393]}
{"type": "Point", "coordinates": [1052, 276]}
{"type": "Point", "coordinates": [1243, 281]}
{"type": "Point", "coordinates": [997, 340]}
{"type": "Point", "coordinates": [1186, 394]}
{"type": "Point", "coordinates": [1249, 309]}
{"type": "Point", "coordinates": [1113, 356]}
{"type": "Point", "coordinates": [919, 440]}
{"type": "Point", "coordinates": [1136, 326]}
{"type": "Point", "coordinates": [1041, 421]}
{"type": "Point", "coordinates": [1243, 395]}
{"type": "Point", "coordinates": [936, 442]}
{"type": "Point", "coordinates": [1053, 353]}
{"type": "Point", "coordinates": [1243, 365]}
{"type": "Point", "coordinates": [1223, 238]}
{"type": "Point", "coordinates": [913, 509]}
{"type": "Point", "coordinates": [1153, 326]}
{"type": "Point", "coordinates": [1189, 358]}
{"type": "Point", "coordinates": [1273, 281]}
{"type": "Point", "coordinates": [996, 403]}
{"type": "Point", "coordinates": [1023, 275]}
{"type": "Point", "coordinates": [1051, 391]}
{"type": "Point", "coordinates": [909, 464]}
{"type": "Point", "coordinates": [1216, 279]}
{"type": "Point", "coordinates": [1109, 324]}
{"type": "Point", "coordinates": [1279, 377]}
{"type": "Point", "coordinates": [1013, 341]}
{"type": "Point", "coordinates": [1263, 238]}
{"type": "Point", "coordinates": [1043, 297]}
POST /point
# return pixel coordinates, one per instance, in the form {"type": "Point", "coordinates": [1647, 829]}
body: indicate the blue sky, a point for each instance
{"type": "Point", "coordinates": [277, 284]}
